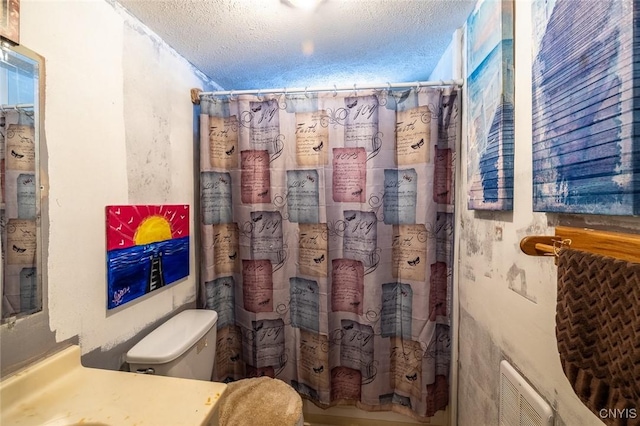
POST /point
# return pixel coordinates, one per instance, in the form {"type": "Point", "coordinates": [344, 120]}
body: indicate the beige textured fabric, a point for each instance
{"type": "Point", "coordinates": [260, 401]}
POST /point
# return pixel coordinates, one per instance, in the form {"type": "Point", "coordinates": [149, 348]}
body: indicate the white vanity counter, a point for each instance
{"type": "Point", "coordinates": [59, 391]}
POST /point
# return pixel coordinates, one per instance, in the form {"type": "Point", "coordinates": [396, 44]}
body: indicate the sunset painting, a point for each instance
{"type": "Point", "coordinates": [147, 249]}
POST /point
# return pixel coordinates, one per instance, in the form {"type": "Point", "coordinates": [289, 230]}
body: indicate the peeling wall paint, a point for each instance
{"type": "Point", "coordinates": [479, 369]}
{"type": "Point", "coordinates": [517, 279]}
{"type": "Point", "coordinates": [119, 130]}
{"type": "Point", "coordinates": [148, 118]}
{"type": "Point", "coordinates": [508, 299]}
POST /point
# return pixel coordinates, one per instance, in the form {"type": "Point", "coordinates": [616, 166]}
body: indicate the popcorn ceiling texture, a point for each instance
{"type": "Point", "coordinates": [266, 44]}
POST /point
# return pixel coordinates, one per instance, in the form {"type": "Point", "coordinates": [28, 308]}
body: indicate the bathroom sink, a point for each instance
{"type": "Point", "coordinates": [59, 391]}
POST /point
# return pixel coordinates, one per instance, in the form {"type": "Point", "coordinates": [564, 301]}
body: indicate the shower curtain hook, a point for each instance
{"type": "Point", "coordinates": [260, 98]}
{"type": "Point", "coordinates": [231, 96]}
{"type": "Point", "coordinates": [285, 92]}
{"type": "Point", "coordinates": [418, 87]}
{"type": "Point", "coordinates": [355, 90]}
{"type": "Point", "coordinates": [388, 86]}
{"type": "Point", "coordinates": [335, 90]}
{"type": "Point", "coordinates": [306, 95]}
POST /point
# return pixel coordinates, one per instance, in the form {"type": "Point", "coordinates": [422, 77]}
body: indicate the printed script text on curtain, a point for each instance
{"type": "Point", "coordinates": [18, 215]}
{"type": "Point", "coordinates": [327, 243]}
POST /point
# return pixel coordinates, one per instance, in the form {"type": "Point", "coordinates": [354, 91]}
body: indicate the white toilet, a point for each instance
{"type": "Point", "coordinates": [185, 345]}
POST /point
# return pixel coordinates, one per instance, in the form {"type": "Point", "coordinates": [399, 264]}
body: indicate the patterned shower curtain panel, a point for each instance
{"type": "Point", "coordinates": [327, 243]}
{"type": "Point", "coordinates": [18, 208]}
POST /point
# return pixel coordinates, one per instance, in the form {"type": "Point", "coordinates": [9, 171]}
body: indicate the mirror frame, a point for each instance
{"type": "Point", "coordinates": [26, 338]}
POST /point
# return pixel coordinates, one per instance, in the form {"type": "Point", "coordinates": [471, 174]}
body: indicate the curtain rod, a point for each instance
{"type": "Point", "coordinates": [16, 106]}
{"type": "Point", "coordinates": [415, 84]}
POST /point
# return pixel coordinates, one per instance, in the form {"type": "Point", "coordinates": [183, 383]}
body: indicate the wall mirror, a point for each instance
{"type": "Point", "coordinates": [20, 183]}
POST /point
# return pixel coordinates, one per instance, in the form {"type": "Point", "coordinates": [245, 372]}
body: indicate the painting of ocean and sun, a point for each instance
{"type": "Point", "coordinates": [147, 249]}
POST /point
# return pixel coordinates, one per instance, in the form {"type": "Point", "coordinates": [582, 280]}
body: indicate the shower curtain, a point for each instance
{"type": "Point", "coordinates": [18, 220]}
{"type": "Point", "coordinates": [327, 242]}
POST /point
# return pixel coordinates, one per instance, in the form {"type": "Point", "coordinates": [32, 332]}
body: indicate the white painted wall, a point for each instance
{"type": "Point", "coordinates": [119, 130]}
{"type": "Point", "coordinates": [507, 299]}
{"type": "Point", "coordinates": [450, 64]}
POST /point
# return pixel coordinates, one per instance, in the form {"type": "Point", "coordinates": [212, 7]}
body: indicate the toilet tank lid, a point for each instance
{"type": "Point", "coordinates": [173, 338]}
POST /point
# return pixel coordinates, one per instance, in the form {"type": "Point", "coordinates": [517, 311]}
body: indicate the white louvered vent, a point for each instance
{"type": "Point", "coordinates": [520, 404]}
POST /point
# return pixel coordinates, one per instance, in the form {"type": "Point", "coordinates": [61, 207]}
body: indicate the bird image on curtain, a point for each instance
{"type": "Point", "coordinates": [18, 216]}
{"type": "Point", "coordinates": [327, 242]}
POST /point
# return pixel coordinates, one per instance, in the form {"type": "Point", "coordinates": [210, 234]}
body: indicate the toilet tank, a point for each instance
{"type": "Point", "coordinates": [184, 346]}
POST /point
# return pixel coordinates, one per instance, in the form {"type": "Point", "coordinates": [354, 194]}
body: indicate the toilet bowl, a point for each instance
{"type": "Point", "coordinates": [184, 346]}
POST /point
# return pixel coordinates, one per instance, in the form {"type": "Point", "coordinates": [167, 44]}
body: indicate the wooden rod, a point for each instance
{"type": "Point", "coordinates": [545, 248]}
{"type": "Point", "coordinates": [624, 246]}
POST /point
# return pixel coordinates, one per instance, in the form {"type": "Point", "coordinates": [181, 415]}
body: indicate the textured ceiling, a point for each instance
{"type": "Point", "coordinates": [263, 44]}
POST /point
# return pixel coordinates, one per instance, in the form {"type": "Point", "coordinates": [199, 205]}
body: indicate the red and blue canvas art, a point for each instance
{"type": "Point", "coordinates": [147, 249]}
